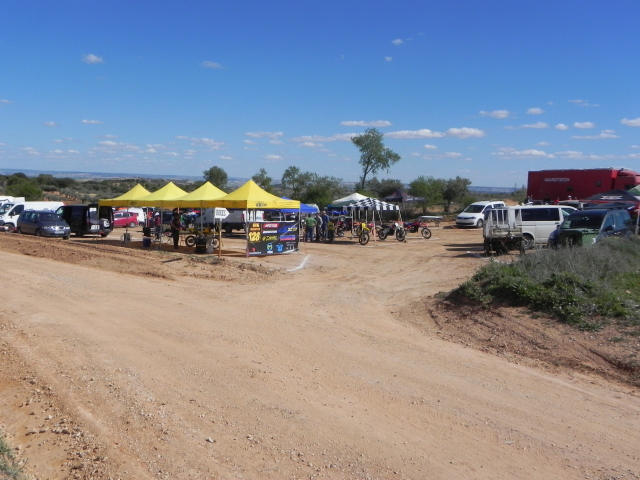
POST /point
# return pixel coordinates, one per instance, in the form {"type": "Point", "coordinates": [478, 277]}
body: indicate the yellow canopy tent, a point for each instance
{"type": "Point", "coordinates": [202, 197]}
{"type": "Point", "coordinates": [125, 199]}
{"type": "Point", "coordinates": [164, 197]}
{"type": "Point", "coordinates": [250, 195]}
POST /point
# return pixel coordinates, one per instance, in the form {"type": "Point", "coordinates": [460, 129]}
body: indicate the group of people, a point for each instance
{"type": "Point", "coordinates": [176, 224]}
{"type": "Point", "coordinates": [316, 226]}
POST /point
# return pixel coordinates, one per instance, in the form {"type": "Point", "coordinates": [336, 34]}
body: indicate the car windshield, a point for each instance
{"type": "Point", "coordinates": [474, 209]}
{"type": "Point", "coordinates": [49, 217]}
{"type": "Point", "coordinates": [5, 208]}
{"type": "Point", "coordinates": [583, 221]}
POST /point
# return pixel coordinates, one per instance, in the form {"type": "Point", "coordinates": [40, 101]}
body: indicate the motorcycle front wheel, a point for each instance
{"type": "Point", "coordinates": [382, 234]}
{"type": "Point", "coordinates": [364, 238]}
{"type": "Point", "coordinates": [401, 235]}
{"type": "Point", "coordinates": [426, 233]}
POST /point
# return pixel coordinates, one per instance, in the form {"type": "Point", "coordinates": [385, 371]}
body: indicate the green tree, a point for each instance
{"type": "Point", "coordinates": [263, 180]}
{"type": "Point", "coordinates": [296, 181]}
{"type": "Point", "coordinates": [456, 188]}
{"type": "Point", "coordinates": [322, 190]}
{"type": "Point", "coordinates": [22, 187]}
{"type": "Point", "coordinates": [429, 188]}
{"type": "Point", "coordinates": [217, 176]}
{"type": "Point", "coordinates": [374, 156]}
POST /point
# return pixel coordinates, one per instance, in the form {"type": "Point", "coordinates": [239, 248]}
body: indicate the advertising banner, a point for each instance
{"type": "Point", "coordinates": [272, 238]}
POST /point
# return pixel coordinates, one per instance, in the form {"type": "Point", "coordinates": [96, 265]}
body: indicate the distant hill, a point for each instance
{"type": "Point", "coordinates": [189, 178]}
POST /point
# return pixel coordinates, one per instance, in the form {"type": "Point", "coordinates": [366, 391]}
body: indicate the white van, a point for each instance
{"type": "Point", "coordinates": [535, 221]}
{"type": "Point", "coordinates": [473, 215]}
{"type": "Point", "coordinates": [236, 220]}
{"type": "Point", "coordinates": [9, 212]}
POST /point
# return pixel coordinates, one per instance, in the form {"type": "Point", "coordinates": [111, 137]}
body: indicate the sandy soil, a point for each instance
{"type": "Point", "coordinates": [337, 362]}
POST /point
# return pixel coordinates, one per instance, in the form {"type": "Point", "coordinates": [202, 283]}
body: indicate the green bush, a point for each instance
{"type": "Point", "coordinates": [582, 286]}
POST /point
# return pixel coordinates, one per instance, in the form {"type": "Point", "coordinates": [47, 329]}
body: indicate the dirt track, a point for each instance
{"type": "Point", "coordinates": [334, 362]}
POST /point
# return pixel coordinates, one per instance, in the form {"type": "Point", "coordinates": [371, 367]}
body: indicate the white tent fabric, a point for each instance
{"type": "Point", "coordinates": [354, 197]}
{"type": "Point", "coordinates": [371, 204]}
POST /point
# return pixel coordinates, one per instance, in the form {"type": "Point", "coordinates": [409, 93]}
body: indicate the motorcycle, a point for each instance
{"type": "Point", "coordinates": [396, 229]}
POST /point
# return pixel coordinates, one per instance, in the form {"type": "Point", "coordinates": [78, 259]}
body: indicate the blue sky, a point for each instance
{"type": "Point", "coordinates": [482, 89]}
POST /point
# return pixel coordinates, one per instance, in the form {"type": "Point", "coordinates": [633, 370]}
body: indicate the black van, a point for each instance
{"type": "Point", "coordinates": [88, 219]}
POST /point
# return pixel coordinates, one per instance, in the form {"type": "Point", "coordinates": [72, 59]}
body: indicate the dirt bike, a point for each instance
{"type": "Point", "coordinates": [396, 229]}
{"type": "Point", "coordinates": [426, 233]}
{"type": "Point", "coordinates": [364, 233]}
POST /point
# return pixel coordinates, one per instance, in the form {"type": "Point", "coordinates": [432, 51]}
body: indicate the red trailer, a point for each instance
{"type": "Point", "coordinates": [549, 185]}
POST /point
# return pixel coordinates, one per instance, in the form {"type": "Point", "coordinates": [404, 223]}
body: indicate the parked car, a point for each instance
{"type": "Point", "coordinates": [87, 219]}
{"type": "Point", "coordinates": [43, 223]}
{"type": "Point", "coordinates": [473, 215]}
{"type": "Point", "coordinates": [125, 219]}
{"type": "Point", "coordinates": [585, 227]}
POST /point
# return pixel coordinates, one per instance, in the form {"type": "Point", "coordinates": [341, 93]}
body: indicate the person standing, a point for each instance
{"type": "Point", "coordinates": [310, 224]}
{"type": "Point", "coordinates": [325, 225]}
{"type": "Point", "coordinates": [318, 227]}
{"type": "Point", "coordinates": [176, 226]}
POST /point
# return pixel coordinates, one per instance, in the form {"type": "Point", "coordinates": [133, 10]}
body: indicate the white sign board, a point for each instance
{"type": "Point", "coordinates": [220, 213]}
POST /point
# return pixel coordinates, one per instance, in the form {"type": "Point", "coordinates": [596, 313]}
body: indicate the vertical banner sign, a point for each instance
{"type": "Point", "coordinates": [272, 238]}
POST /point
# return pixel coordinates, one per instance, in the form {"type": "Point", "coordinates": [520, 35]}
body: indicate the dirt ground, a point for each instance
{"type": "Point", "coordinates": [335, 362]}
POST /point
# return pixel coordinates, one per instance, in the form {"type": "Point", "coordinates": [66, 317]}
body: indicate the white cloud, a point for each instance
{"type": "Point", "coordinates": [319, 138]}
{"type": "Point", "coordinates": [273, 135]}
{"type": "Point", "coordinates": [535, 125]}
{"type": "Point", "coordinates": [602, 135]}
{"type": "Point", "coordinates": [543, 144]}
{"type": "Point", "coordinates": [362, 123]}
{"type": "Point", "coordinates": [90, 58]}
{"type": "Point", "coordinates": [496, 113]}
{"type": "Point", "coordinates": [108, 143]}
{"type": "Point", "coordinates": [430, 147]}
{"type": "Point", "coordinates": [530, 153]}
{"type": "Point", "coordinates": [276, 142]}
{"type": "Point", "coordinates": [561, 126]}
{"type": "Point", "coordinates": [409, 134]}
{"type": "Point", "coordinates": [214, 65]}
{"type": "Point", "coordinates": [311, 145]}
{"type": "Point", "coordinates": [397, 41]}
{"type": "Point", "coordinates": [452, 154]}
{"type": "Point", "coordinates": [584, 124]}
{"type": "Point", "coordinates": [635, 122]}
{"type": "Point", "coordinates": [535, 111]}
{"type": "Point", "coordinates": [465, 132]}
{"type": "Point", "coordinates": [249, 142]}
{"type": "Point", "coordinates": [5, 101]}
{"type": "Point", "coordinates": [91, 122]}
{"type": "Point", "coordinates": [583, 103]}
{"type": "Point", "coordinates": [272, 157]}
{"type": "Point", "coordinates": [203, 142]}
{"type": "Point", "coordinates": [388, 59]}
{"type": "Point", "coordinates": [50, 124]}
{"type": "Point", "coordinates": [31, 151]}
{"type": "Point", "coordinates": [225, 157]}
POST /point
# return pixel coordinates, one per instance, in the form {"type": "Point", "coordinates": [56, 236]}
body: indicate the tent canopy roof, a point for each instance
{"type": "Point", "coordinates": [125, 199]}
{"type": "Point", "coordinates": [371, 204]}
{"type": "Point", "coordinates": [341, 202]}
{"type": "Point", "coordinates": [402, 196]}
{"type": "Point", "coordinates": [614, 196]}
{"type": "Point", "coordinates": [250, 195]}
{"type": "Point", "coordinates": [202, 197]}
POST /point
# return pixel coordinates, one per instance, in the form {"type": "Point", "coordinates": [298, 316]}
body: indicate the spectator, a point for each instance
{"type": "Point", "coordinates": [310, 224]}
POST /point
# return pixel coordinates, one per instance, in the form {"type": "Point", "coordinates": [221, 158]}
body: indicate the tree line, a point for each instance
{"type": "Point", "coordinates": [438, 194]}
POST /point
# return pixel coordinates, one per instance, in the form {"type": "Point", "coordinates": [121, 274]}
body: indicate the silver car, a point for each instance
{"type": "Point", "coordinates": [43, 223]}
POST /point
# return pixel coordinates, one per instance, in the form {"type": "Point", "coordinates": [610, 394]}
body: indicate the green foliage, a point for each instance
{"type": "Point", "coordinates": [263, 180]}
{"type": "Point", "coordinates": [217, 176]}
{"type": "Point", "coordinates": [22, 187]}
{"type": "Point", "coordinates": [455, 189]}
{"type": "Point", "coordinates": [9, 468]}
{"type": "Point", "coordinates": [581, 286]}
{"type": "Point", "coordinates": [374, 156]}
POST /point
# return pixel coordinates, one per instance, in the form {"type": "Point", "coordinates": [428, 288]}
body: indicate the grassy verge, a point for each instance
{"type": "Point", "coordinates": [587, 286]}
{"type": "Point", "coordinates": [9, 468]}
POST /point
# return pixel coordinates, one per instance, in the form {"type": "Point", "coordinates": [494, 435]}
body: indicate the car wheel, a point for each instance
{"type": "Point", "coordinates": [66, 237]}
{"type": "Point", "coordinates": [132, 224]}
{"type": "Point", "coordinates": [228, 229]}
{"type": "Point", "coordinates": [480, 223]}
{"type": "Point", "coordinates": [79, 234]}
{"type": "Point", "coordinates": [103, 235]}
{"type": "Point", "coordinates": [527, 242]}
{"type": "Point", "coordinates": [39, 233]}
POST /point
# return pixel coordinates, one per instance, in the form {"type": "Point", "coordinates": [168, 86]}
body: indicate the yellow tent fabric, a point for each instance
{"type": "Point", "coordinates": [125, 199]}
{"type": "Point", "coordinates": [201, 197]}
{"type": "Point", "coordinates": [164, 197]}
{"type": "Point", "coordinates": [250, 195]}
